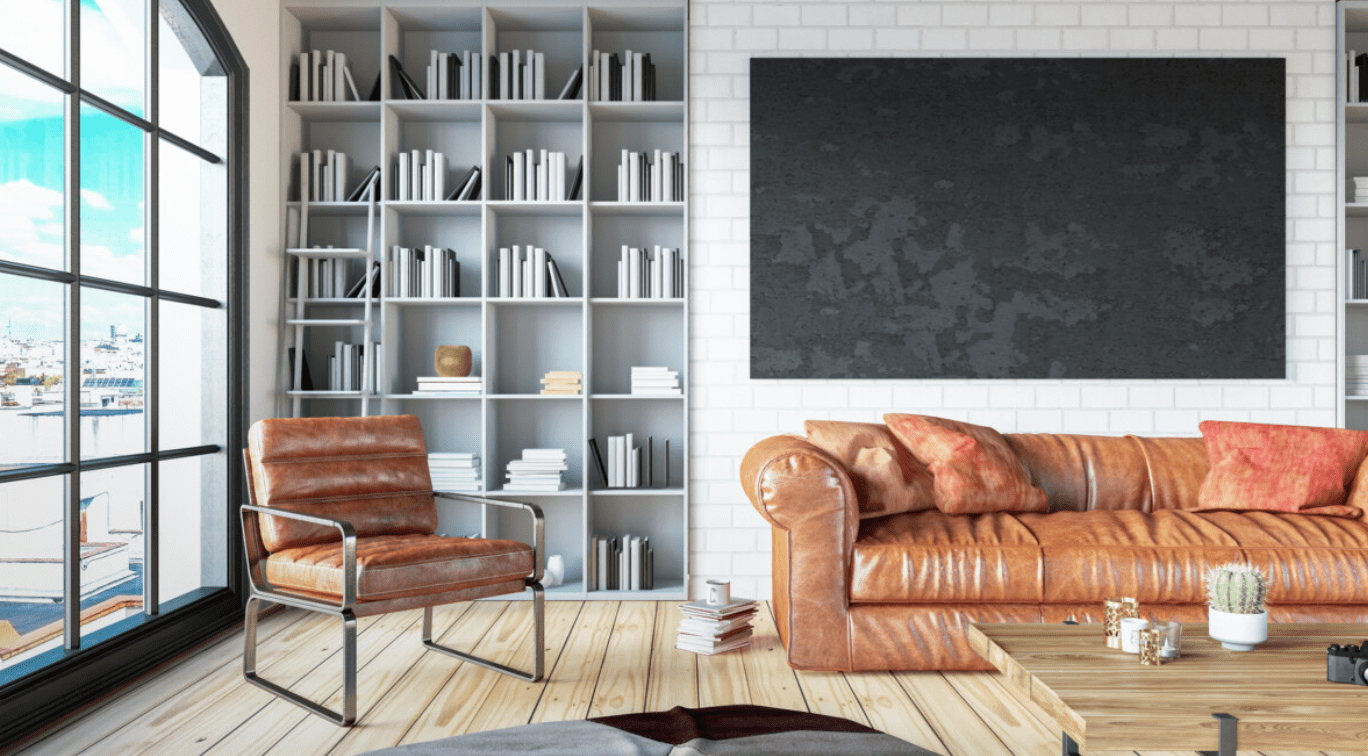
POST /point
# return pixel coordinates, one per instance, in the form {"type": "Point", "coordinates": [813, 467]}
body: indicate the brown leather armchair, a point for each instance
{"type": "Point", "coordinates": [342, 521]}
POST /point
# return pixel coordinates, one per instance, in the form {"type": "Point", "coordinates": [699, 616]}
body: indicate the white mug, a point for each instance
{"type": "Point", "coordinates": [719, 592]}
{"type": "Point", "coordinates": [1130, 633]}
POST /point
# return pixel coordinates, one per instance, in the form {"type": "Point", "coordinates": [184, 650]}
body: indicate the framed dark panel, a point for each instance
{"type": "Point", "coordinates": [1018, 218]}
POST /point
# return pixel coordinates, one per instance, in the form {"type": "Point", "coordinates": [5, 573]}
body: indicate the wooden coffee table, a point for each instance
{"type": "Point", "coordinates": [1275, 697]}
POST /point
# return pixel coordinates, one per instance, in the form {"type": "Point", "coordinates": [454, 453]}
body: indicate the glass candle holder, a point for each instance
{"type": "Point", "coordinates": [1171, 642]}
{"type": "Point", "coordinates": [1151, 641]}
{"type": "Point", "coordinates": [1115, 609]}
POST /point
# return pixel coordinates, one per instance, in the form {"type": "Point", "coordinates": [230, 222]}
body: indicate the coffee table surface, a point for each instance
{"type": "Point", "coordinates": [1107, 701]}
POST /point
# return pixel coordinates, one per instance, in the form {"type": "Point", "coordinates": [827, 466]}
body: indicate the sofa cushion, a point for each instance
{"type": "Point", "coordinates": [887, 479]}
{"type": "Point", "coordinates": [1309, 559]}
{"type": "Point", "coordinates": [1280, 468]}
{"type": "Point", "coordinates": [1160, 557]}
{"type": "Point", "coordinates": [934, 557]}
{"type": "Point", "coordinates": [975, 470]}
{"type": "Point", "coordinates": [1177, 467]}
{"type": "Point", "coordinates": [1079, 473]}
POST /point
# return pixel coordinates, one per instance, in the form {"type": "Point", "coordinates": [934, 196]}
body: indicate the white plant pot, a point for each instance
{"type": "Point", "coordinates": [1237, 632]}
{"type": "Point", "coordinates": [554, 573]}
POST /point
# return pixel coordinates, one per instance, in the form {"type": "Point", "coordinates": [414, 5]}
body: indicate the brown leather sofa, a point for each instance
{"type": "Point", "coordinates": [895, 592]}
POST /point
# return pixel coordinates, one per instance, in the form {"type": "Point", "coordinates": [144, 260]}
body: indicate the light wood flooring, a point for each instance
{"type": "Point", "coordinates": [603, 657]}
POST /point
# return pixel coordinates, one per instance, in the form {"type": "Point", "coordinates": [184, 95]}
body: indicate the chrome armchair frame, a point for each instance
{"type": "Point", "coordinates": [261, 590]}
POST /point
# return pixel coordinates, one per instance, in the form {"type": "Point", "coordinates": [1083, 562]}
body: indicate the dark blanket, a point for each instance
{"type": "Point", "coordinates": [716, 731]}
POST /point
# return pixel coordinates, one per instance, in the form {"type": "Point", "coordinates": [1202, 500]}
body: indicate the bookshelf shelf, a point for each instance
{"type": "Point", "coordinates": [514, 342]}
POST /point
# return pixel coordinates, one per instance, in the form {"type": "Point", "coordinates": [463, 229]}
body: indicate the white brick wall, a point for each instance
{"type": "Point", "coordinates": [730, 412]}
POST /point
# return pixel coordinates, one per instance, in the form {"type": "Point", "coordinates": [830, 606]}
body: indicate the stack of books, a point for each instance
{"type": "Point", "coordinates": [707, 629]}
{"type": "Point", "coordinates": [538, 470]}
{"type": "Point", "coordinates": [655, 381]}
{"type": "Point", "coordinates": [1356, 375]}
{"type": "Point", "coordinates": [455, 472]}
{"type": "Point", "coordinates": [624, 563]}
{"type": "Point", "coordinates": [562, 383]}
{"type": "Point", "coordinates": [429, 385]}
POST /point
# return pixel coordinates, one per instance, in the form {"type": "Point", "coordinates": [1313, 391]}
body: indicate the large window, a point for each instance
{"type": "Point", "coordinates": [117, 320]}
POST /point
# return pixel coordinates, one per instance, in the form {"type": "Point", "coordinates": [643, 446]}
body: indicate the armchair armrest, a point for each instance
{"type": "Point", "coordinates": [808, 498]}
{"type": "Point", "coordinates": [538, 524]}
{"type": "Point", "coordinates": [348, 548]}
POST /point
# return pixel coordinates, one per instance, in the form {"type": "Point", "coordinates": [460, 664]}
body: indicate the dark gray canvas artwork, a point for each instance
{"type": "Point", "coordinates": [1017, 218]}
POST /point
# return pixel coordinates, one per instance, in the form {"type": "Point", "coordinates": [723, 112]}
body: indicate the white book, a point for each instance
{"type": "Point", "coordinates": [437, 85]}
{"type": "Point", "coordinates": [657, 274]}
{"type": "Point", "coordinates": [634, 177]}
{"type": "Point", "coordinates": [315, 73]}
{"type": "Point", "coordinates": [528, 279]}
{"type": "Point", "coordinates": [627, 77]}
{"type": "Point", "coordinates": [429, 164]}
{"type": "Point", "coordinates": [340, 170]}
{"type": "Point", "coordinates": [539, 77]}
{"type": "Point", "coordinates": [558, 185]}
{"type": "Point", "coordinates": [415, 175]}
{"type": "Point", "coordinates": [624, 194]}
{"type": "Point", "coordinates": [304, 170]}
{"type": "Point", "coordinates": [591, 89]}
{"type": "Point", "coordinates": [517, 272]}
{"type": "Point", "coordinates": [404, 184]}
{"type": "Point", "coordinates": [528, 68]}
{"type": "Point", "coordinates": [316, 180]}
{"type": "Point", "coordinates": [505, 77]}
{"type": "Point", "coordinates": [515, 76]}
{"type": "Point", "coordinates": [638, 77]}
{"type": "Point", "coordinates": [635, 568]}
{"type": "Point", "coordinates": [668, 284]}
{"type": "Point", "coordinates": [302, 78]}
{"type": "Point", "coordinates": [530, 180]}
{"type": "Point", "coordinates": [339, 80]}
{"type": "Point", "coordinates": [634, 274]}
{"type": "Point", "coordinates": [439, 172]}
{"type": "Point", "coordinates": [543, 177]}
{"type": "Point", "coordinates": [329, 57]}
{"type": "Point", "coordinates": [519, 175]}
{"type": "Point", "coordinates": [466, 72]}
{"type": "Point", "coordinates": [505, 272]}
{"type": "Point", "coordinates": [657, 188]}
{"type": "Point", "coordinates": [328, 184]}
{"type": "Point", "coordinates": [335, 372]}
{"type": "Point", "coordinates": [476, 77]}
{"type": "Point", "coordinates": [667, 178]}
{"type": "Point", "coordinates": [392, 266]}
{"type": "Point", "coordinates": [351, 84]}
{"type": "Point", "coordinates": [539, 288]}
{"type": "Point", "coordinates": [623, 288]}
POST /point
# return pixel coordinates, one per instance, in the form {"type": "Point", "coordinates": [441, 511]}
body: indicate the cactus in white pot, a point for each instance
{"type": "Point", "coordinates": [1238, 617]}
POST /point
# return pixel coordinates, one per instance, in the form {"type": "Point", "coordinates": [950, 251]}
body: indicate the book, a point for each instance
{"type": "Point", "coordinates": [372, 177]}
{"type": "Point", "coordinates": [575, 185]}
{"type": "Point", "coordinates": [374, 95]}
{"type": "Point", "coordinates": [553, 274]}
{"type": "Point", "coordinates": [305, 378]}
{"type": "Point", "coordinates": [467, 187]}
{"type": "Point", "coordinates": [571, 89]}
{"type": "Point", "coordinates": [598, 462]}
{"type": "Point", "coordinates": [407, 86]}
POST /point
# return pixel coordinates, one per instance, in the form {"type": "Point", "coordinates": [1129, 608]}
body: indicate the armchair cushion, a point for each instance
{"type": "Point", "coordinates": [975, 469]}
{"type": "Point", "coordinates": [398, 566]}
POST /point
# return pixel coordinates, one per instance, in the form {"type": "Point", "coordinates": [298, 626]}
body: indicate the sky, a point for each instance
{"type": "Point", "coordinates": [31, 162]}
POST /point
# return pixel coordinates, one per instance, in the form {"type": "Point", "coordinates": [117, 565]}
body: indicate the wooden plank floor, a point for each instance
{"type": "Point", "coordinates": [603, 658]}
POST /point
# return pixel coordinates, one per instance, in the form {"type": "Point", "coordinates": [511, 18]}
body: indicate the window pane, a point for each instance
{"type": "Point", "coordinates": [194, 376]}
{"type": "Point", "coordinates": [35, 30]}
{"type": "Point", "coordinates": [112, 506]}
{"type": "Point", "coordinates": [113, 367]}
{"type": "Point", "coordinates": [192, 522]}
{"type": "Point", "coordinates": [31, 165]}
{"type": "Point", "coordinates": [194, 90]}
{"type": "Point", "coordinates": [193, 238]}
{"type": "Point", "coordinates": [32, 361]}
{"type": "Point", "coordinates": [111, 198]}
{"type": "Point", "coordinates": [31, 527]}
{"type": "Point", "coordinates": [112, 57]}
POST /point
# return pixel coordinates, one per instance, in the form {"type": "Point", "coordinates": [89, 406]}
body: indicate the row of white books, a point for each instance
{"type": "Point", "coordinates": [1356, 374]}
{"type": "Point", "coordinates": [471, 385]}
{"type": "Point", "coordinates": [323, 76]}
{"type": "Point", "coordinates": [420, 176]}
{"type": "Point", "coordinates": [427, 272]}
{"type": "Point", "coordinates": [539, 470]}
{"type": "Point", "coordinates": [627, 464]}
{"type": "Point", "coordinates": [454, 76]}
{"type": "Point", "coordinates": [327, 277]}
{"type": "Point", "coordinates": [650, 177]}
{"type": "Point", "coordinates": [655, 381]}
{"type": "Point", "coordinates": [1356, 281]}
{"type": "Point", "coordinates": [455, 472]}
{"type": "Point", "coordinates": [709, 629]}
{"type": "Point", "coordinates": [527, 271]}
{"type": "Point", "coordinates": [650, 273]}
{"type": "Point", "coordinates": [621, 563]}
{"type": "Point", "coordinates": [323, 177]}
{"type": "Point", "coordinates": [1353, 81]}
{"type": "Point", "coordinates": [517, 75]}
{"type": "Point", "coordinates": [562, 383]}
{"type": "Point", "coordinates": [354, 367]}
{"type": "Point", "coordinates": [630, 78]}
{"type": "Point", "coordinates": [541, 176]}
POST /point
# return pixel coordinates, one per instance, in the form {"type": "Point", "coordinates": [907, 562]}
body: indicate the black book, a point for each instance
{"type": "Point", "coordinates": [493, 72]}
{"type": "Point", "coordinates": [407, 85]}
{"type": "Point", "coordinates": [667, 463]}
{"type": "Point", "coordinates": [305, 380]}
{"type": "Point", "coordinates": [572, 85]}
{"type": "Point", "coordinates": [508, 177]}
{"type": "Point", "coordinates": [467, 187]}
{"type": "Point", "coordinates": [453, 90]}
{"type": "Point", "coordinates": [598, 460]}
{"type": "Point", "coordinates": [1361, 61]}
{"type": "Point", "coordinates": [553, 276]}
{"type": "Point", "coordinates": [294, 82]}
{"type": "Point", "coordinates": [374, 95]}
{"type": "Point", "coordinates": [359, 192]}
{"type": "Point", "coordinates": [573, 192]}
{"type": "Point", "coordinates": [650, 451]}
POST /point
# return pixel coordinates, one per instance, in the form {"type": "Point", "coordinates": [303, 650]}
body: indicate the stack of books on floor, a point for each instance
{"type": "Point", "coordinates": [538, 470]}
{"type": "Point", "coordinates": [624, 563]}
{"type": "Point", "coordinates": [707, 629]}
{"type": "Point", "coordinates": [436, 384]}
{"type": "Point", "coordinates": [562, 383]}
{"type": "Point", "coordinates": [1356, 375]}
{"type": "Point", "coordinates": [455, 472]}
{"type": "Point", "coordinates": [655, 381]}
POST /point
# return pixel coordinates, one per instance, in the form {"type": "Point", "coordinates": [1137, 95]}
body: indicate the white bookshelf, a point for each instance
{"type": "Point", "coordinates": [514, 341]}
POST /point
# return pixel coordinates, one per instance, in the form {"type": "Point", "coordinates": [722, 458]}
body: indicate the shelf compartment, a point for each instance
{"type": "Point", "coordinates": [564, 522]}
{"type": "Point", "coordinates": [461, 233]}
{"type": "Point", "coordinates": [360, 140]}
{"type": "Point", "coordinates": [517, 425]}
{"type": "Point", "coordinates": [443, 28]}
{"type": "Point", "coordinates": [416, 332]}
{"type": "Point", "coordinates": [627, 337]}
{"type": "Point", "coordinates": [530, 341]}
{"type": "Point", "coordinates": [610, 232]}
{"type": "Point", "coordinates": [458, 140]}
{"type": "Point", "coordinates": [560, 233]}
{"type": "Point", "coordinates": [519, 128]}
{"type": "Point", "coordinates": [611, 137]}
{"type": "Point", "coordinates": [658, 419]}
{"type": "Point", "coordinates": [660, 518]}
{"type": "Point", "coordinates": [354, 31]}
{"type": "Point", "coordinates": [655, 30]}
{"type": "Point", "coordinates": [557, 32]}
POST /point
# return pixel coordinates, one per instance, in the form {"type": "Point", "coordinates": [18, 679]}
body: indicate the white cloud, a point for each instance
{"type": "Point", "coordinates": [101, 262]}
{"type": "Point", "coordinates": [136, 235]}
{"type": "Point", "coordinates": [27, 211]}
{"type": "Point", "coordinates": [96, 200]}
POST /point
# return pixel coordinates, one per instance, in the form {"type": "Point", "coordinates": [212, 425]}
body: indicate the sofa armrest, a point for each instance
{"type": "Point", "coordinates": [807, 497]}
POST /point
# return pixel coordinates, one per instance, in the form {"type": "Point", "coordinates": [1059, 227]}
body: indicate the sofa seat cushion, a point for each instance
{"type": "Point", "coordinates": [933, 557]}
{"type": "Point", "coordinates": [392, 567]}
{"type": "Point", "coordinates": [1309, 559]}
{"type": "Point", "coordinates": [1160, 557]}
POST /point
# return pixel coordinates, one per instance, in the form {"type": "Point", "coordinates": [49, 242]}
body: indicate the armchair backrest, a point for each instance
{"type": "Point", "coordinates": [369, 471]}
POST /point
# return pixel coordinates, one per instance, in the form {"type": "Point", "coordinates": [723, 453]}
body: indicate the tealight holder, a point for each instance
{"type": "Point", "coordinates": [1115, 609]}
{"type": "Point", "coordinates": [1150, 642]}
{"type": "Point", "coordinates": [1171, 646]}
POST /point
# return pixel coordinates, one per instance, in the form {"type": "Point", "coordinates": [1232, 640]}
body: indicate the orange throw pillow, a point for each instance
{"type": "Point", "coordinates": [1280, 468]}
{"type": "Point", "coordinates": [975, 470]}
{"type": "Point", "coordinates": [887, 479]}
